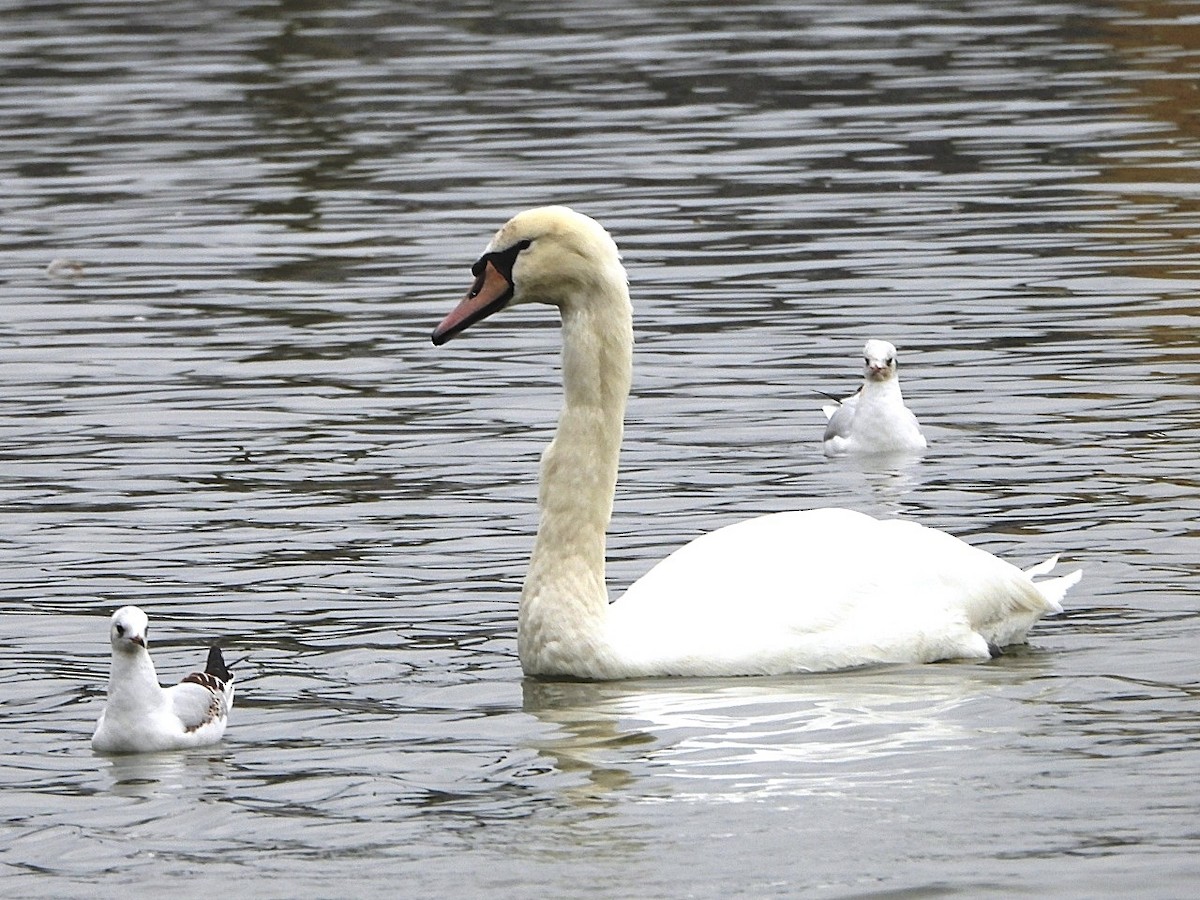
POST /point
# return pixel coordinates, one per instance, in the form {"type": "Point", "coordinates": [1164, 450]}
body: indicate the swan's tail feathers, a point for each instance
{"type": "Point", "coordinates": [1045, 567]}
{"type": "Point", "coordinates": [1054, 589]}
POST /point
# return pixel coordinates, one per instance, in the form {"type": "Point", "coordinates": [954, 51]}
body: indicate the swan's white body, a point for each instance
{"type": "Point", "coordinates": [874, 419]}
{"type": "Point", "coordinates": [141, 716]}
{"type": "Point", "coordinates": [806, 591]}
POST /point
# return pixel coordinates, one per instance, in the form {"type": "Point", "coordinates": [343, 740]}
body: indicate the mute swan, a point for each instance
{"type": "Point", "coordinates": [874, 418]}
{"type": "Point", "coordinates": [141, 716]}
{"type": "Point", "coordinates": [804, 591]}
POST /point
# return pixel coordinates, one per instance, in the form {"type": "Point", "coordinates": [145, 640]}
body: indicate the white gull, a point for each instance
{"type": "Point", "coordinates": [141, 716]}
{"type": "Point", "coordinates": [874, 419]}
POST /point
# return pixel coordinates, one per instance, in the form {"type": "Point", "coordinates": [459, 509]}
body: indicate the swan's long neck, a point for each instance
{"type": "Point", "coordinates": [564, 601]}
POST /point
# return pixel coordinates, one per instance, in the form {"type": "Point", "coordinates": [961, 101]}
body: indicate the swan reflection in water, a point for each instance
{"type": "Point", "coordinates": [712, 739]}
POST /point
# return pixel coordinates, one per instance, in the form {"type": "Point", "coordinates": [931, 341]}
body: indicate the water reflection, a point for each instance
{"type": "Point", "coordinates": [880, 483]}
{"type": "Point", "coordinates": [147, 775]}
{"type": "Point", "coordinates": [742, 739]}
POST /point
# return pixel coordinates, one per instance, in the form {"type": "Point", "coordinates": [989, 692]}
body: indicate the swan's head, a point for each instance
{"type": "Point", "coordinates": [546, 255]}
{"type": "Point", "coordinates": [128, 630]}
{"type": "Point", "coordinates": [879, 360]}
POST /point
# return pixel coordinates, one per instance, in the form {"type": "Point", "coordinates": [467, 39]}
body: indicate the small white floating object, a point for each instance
{"type": "Point", "coordinates": [61, 267]}
{"type": "Point", "coordinates": [874, 419]}
{"type": "Point", "coordinates": [141, 716]}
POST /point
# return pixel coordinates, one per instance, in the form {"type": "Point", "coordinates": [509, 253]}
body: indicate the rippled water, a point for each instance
{"type": "Point", "coordinates": [231, 415]}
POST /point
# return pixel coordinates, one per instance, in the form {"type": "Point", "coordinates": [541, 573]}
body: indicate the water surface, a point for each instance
{"type": "Point", "coordinates": [231, 415]}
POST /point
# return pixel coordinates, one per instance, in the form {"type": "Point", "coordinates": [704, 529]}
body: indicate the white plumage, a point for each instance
{"type": "Point", "coordinates": [141, 716]}
{"type": "Point", "coordinates": [800, 591]}
{"type": "Point", "coordinates": [874, 419]}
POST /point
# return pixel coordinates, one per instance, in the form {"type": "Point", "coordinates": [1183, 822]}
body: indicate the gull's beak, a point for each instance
{"type": "Point", "coordinates": [490, 292]}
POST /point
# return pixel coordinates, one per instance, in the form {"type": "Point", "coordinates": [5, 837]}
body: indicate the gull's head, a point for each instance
{"type": "Point", "coordinates": [128, 630]}
{"type": "Point", "coordinates": [550, 254]}
{"type": "Point", "coordinates": [879, 360]}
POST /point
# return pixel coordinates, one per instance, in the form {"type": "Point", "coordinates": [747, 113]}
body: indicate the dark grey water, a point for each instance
{"type": "Point", "coordinates": [232, 417]}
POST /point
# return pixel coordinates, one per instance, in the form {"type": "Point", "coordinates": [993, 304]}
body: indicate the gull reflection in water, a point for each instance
{"type": "Point", "coordinates": [885, 480]}
{"type": "Point", "coordinates": [145, 775]}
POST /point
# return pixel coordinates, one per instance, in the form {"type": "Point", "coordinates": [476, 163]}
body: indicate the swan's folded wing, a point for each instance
{"type": "Point", "coordinates": [874, 591]}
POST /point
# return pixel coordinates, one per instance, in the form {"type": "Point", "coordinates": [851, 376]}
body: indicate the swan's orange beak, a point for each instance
{"type": "Point", "coordinates": [490, 292]}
